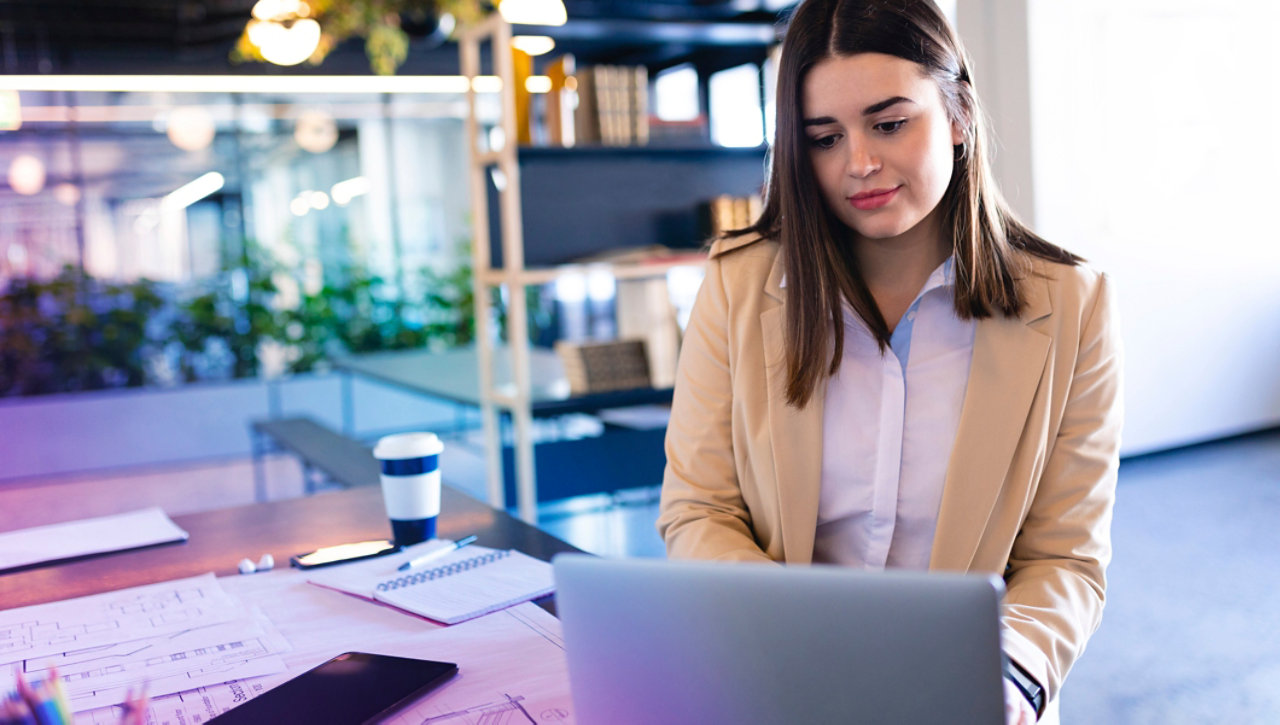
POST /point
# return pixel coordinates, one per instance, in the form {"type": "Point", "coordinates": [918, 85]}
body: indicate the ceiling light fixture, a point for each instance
{"type": "Point", "coordinates": [533, 44]}
{"type": "Point", "coordinates": [26, 175]}
{"type": "Point", "coordinates": [273, 9]}
{"type": "Point", "coordinates": [239, 84]}
{"type": "Point", "coordinates": [344, 191]}
{"type": "Point", "coordinates": [533, 12]}
{"type": "Point", "coordinates": [10, 111]}
{"type": "Point", "coordinates": [190, 128]}
{"type": "Point", "coordinates": [67, 194]}
{"type": "Point", "coordinates": [537, 84]}
{"type": "Point", "coordinates": [315, 131]}
{"type": "Point", "coordinates": [285, 43]}
{"type": "Point", "coordinates": [283, 32]}
{"type": "Point", "coordinates": [189, 193]}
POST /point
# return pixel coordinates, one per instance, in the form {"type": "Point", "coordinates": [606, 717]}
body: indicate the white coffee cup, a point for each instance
{"type": "Point", "coordinates": [410, 464]}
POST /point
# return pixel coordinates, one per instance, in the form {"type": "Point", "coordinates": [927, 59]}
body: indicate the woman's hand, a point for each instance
{"type": "Point", "coordinates": [1017, 711]}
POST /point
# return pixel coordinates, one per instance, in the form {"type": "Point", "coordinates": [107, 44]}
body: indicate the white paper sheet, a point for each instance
{"type": "Point", "coordinates": [171, 636]}
{"type": "Point", "coordinates": [512, 667]}
{"type": "Point", "coordinates": [114, 617]}
{"type": "Point", "coordinates": [87, 536]}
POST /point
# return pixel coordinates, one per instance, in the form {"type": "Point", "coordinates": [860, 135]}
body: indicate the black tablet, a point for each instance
{"type": "Point", "coordinates": [349, 689]}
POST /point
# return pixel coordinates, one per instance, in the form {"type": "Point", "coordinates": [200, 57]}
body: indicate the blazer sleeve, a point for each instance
{"type": "Point", "coordinates": [702, 514]}
{"type": "Point", "coordinates": [1056, 575]}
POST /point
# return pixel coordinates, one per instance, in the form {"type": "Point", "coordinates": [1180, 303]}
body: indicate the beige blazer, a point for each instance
{"type": "Point", "coordinates": [1031, 479]}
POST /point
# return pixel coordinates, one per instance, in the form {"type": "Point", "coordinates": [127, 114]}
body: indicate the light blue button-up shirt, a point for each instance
{"type": "Point", "coordinates": [889, 423]}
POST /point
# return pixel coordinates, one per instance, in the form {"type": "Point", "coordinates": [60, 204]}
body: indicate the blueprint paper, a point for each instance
{"type": "Point", "coordinates": [113, 618]}
{"type": "Point", "coordinates": [171, 636]}
{"type": "Point", "coordinates": [131, 530]}
{"type": "Point", "coordinates": [512, 668]}
{"type": "Point", "coordinates": [206, 655]}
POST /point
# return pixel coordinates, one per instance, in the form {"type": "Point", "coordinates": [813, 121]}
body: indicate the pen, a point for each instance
{"type": "Point", "coordinates": [436, 554]}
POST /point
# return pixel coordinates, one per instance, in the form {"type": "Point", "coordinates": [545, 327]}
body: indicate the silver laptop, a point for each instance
{"type": "Point", "coordinates": [659, 642]}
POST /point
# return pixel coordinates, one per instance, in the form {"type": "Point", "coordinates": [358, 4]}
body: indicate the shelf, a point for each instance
{"type": "Point", "coordinates": [657, 267]}
{"type": "Point", "coordinates": [648, 32]}
{"type": "Point", "coordinates": [650, 150]}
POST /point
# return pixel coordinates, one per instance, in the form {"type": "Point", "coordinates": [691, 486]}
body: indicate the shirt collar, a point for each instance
{"type": "Point", "coordinates": [943, 276]}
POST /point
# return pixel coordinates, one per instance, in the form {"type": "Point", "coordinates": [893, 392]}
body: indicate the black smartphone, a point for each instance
{"type": "Point", "coordinates": [349, 689]}
{"type": "Point", "coordinates": [343, 553]}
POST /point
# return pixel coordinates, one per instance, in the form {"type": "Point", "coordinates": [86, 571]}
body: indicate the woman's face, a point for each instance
{"type": "Point", "coordinates": [880, 142]}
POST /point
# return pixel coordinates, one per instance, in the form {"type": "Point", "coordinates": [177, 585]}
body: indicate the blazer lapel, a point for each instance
{"type": "Point", "coordinates": [1008, 363]}
{"type": "Point", "coordinates": [795, 436]}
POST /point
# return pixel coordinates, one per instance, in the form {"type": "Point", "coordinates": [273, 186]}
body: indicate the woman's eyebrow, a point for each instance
{"type": "Point", "coordinates": [878, 107]}
{"type": "Point", "coordinates": [819, 121]}
{"type": "Point", "coordinates": [869, 110]}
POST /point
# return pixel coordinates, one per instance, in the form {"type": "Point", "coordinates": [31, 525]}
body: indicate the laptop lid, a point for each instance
{"type": "Point", "coordinates": [652, 641]}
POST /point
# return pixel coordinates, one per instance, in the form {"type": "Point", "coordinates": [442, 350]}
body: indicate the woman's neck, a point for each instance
{"type": "Point", "coordinates": [896, 269]}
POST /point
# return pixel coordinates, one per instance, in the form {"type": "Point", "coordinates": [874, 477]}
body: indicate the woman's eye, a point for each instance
{"type": "Point", "coordinates": [824, 142]}
{"type": "Point", "coordinates": [887, 127]}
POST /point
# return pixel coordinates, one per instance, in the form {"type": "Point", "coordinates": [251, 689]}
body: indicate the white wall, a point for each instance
{"type": "Point", "coordinates": [1154, 153]}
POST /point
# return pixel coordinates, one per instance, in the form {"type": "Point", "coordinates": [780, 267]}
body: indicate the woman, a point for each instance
{"type": "Point", "coordinates": [888, 369]}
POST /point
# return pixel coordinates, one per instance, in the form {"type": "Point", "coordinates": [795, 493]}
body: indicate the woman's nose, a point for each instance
{"type": "Point", "coordinates": [861, 162]}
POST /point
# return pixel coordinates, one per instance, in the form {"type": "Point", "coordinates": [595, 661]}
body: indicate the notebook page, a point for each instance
{"type": "Point", "coordinates": [362, 577]}
{"type": "Point", "coordinates": [468, 584]}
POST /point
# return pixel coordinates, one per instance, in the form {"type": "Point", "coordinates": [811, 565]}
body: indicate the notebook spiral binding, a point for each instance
{"type": "Point", "coordinates": [440, 572]}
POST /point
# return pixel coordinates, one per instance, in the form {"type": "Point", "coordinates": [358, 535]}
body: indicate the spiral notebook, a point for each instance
{"type": "Point", "coordinates": [458, 586]}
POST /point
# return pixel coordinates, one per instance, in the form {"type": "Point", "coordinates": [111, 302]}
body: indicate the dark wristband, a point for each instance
{"type": "Point", "coordinates": [1026, 684]}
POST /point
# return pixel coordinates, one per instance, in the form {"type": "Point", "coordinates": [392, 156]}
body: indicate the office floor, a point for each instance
{"type": "Point", "coordinates": [1192, 628]}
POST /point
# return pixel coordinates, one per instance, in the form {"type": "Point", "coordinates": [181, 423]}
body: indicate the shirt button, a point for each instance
{"type": "Point", "coordinates": [911, 316]}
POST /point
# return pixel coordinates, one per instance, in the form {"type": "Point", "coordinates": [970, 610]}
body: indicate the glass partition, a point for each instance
{"type": "Point", "coordinates": [151, 235]}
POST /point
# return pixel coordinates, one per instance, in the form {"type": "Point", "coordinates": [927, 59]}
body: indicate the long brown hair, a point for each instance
{"type": "Point", "coordinates": [989, 244]}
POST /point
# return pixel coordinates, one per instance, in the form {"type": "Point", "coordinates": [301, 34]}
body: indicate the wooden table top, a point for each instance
{"type": "Point", "coordinates": [220, 539]}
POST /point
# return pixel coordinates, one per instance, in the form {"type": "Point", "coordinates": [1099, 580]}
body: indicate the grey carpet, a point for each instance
{"type": "Point", "coordinates": [1191, 632]}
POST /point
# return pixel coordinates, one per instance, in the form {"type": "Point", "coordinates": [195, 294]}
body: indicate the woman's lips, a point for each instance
{"type": "Point", "coordinates": [873, 199]}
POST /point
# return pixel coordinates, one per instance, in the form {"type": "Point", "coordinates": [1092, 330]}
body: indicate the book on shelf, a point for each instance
{"type": "Point", "coordinates": [692, 132]}
{"type": "Point", "coordinates": [639, 108]}
{"type": "Point", "coordinates": [523, 68]}
{"type": "Point", "coordinates": [586, 118]}
{"type": "Point", "coordinates": [726, 213]}
{"type": "Point", "coordinates": [597, 105]}
{"type": "Point", "coordinates": [600, 367]}
{"type": "Point", "coordinates": [561, 100]}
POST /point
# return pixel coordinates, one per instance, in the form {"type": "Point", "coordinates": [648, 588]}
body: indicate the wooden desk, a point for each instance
{"type": "Point", "coordinates": [220, 539]}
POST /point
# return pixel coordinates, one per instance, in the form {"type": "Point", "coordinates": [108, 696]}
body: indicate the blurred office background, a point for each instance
{"type": "Point", "coordinates": [187, 243]}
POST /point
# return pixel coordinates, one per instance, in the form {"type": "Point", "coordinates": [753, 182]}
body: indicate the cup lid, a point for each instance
{"type": "Point", "coordinates": [407, 445]}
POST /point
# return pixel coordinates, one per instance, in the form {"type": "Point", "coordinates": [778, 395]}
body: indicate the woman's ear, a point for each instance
{"type": "Point", "coordinates": [957, 134]}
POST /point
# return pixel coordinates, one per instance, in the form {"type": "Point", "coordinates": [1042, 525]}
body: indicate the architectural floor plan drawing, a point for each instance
{"type": "Point", "coordinates": [167, 664]}
{"type": "Point", "coordinates": [506, 712]}
{"type": "Point", "coordinates": [172, 636]}
{"type": "Point", "coordinates": [114, 617]}
{"type": "Point", "coordinates": [512, 669]}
